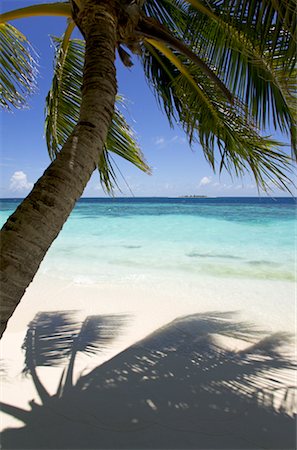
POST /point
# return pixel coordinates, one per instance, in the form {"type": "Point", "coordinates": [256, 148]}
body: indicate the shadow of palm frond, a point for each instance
{"type": "Point", "coordinates": [180, 387]}
{"type": "Point", "coordinates": [55, 338]}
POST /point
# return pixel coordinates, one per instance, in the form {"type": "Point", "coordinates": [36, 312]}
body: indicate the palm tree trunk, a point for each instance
{"type": "Point", "coordinates": [29, 232]}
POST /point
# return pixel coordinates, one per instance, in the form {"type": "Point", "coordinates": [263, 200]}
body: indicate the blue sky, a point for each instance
{"type": "Point", "coordinates": [176, 168]}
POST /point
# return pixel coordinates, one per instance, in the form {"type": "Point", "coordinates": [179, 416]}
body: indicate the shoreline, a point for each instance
{"type": "Point", "coordinates": [249, 297]}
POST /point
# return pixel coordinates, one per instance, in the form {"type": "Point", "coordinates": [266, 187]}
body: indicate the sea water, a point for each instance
{"type": "Point", "coordinates": [125, 240]}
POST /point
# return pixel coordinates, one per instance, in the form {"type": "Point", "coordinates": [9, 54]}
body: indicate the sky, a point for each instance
{"type": "Point", "coordinates": [177, 169]}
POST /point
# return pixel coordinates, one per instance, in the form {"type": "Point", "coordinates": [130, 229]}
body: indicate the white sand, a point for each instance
{"type": "Point", "coordinates": [270, 305]}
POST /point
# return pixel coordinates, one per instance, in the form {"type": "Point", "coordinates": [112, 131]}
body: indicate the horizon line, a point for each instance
{"type": "Point", "coordinates": [191, 197]}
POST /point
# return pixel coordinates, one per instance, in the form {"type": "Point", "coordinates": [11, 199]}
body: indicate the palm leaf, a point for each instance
{"type": "Point", "coordinates": [233, 141]}
{"type": "Point", "coordinates": [155, 33]}
{"type": "Point", "coordinates": [62, 114]}
{"type": "Point", "coordinates": [121, 142]}
{"type": "Point", "coordinates": [250, 45]}
{"type": "Point", "coordinates": [255, 72]}
{"type": "Point", "coordinates": [108, 178]}
{"type": "Point", "coordinates": [64, 98]}
{"type": "Point", "coordinates": [45, 9]}
{"type": "Point", "coordinates": [255, 53]}
{"type": "Point", "coordinates": [185, 72]}
{"type": "Point", "coordinates": [166, 12]}
{"type": "Point", "coordinates": [17, 68]}
{"type": "Point", "coordinates": [229, 137]}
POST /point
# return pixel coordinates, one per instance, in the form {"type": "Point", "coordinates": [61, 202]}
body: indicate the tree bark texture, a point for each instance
{"type": "Point", "coordinates": [31, 229]}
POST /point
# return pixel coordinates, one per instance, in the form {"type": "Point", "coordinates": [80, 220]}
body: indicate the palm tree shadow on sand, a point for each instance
{"type": "Point", "coordinates": [180, 387]}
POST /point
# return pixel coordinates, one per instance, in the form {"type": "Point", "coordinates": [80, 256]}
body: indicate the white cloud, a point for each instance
{"type": "Point", "coordinates": [159, 141]}
{"type": "Point", "coordinates": [19, 182]}
{"type": "Point", "coordinates": [97, 188]}
{"type": "Point", "coordinates": [169, 186]}
{"type": "Point", "coordinates": [178, 140]}
{"type": "Point", "coordinates": [204, 181]}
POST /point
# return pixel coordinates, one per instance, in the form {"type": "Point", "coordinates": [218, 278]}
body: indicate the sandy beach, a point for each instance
{"type": "Point", "coordinates": [151, 310]}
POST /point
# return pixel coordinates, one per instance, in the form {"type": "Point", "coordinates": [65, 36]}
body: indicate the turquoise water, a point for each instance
{"type": "Point", "coordinates": [151, 238]}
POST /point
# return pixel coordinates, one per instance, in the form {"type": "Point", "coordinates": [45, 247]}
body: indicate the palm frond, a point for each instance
{"type": "Point", "coordinates": [45, 9]}
{"type": "Point", "coordinates": [264, 83]}
{"type": "Point", "coordinates": [185, 72]}
{"type": "Point", "coordinates": [250, 45]}
{"type": "Point", "coordinates": [229, 138]}
{"type": "Point", "coordinates": [62, 114]}
{"type": "Point", "coordinates": [17, 67]}
{"type": "Point", "coordinates": [108, 178]}
{"type": "Point", "coordinates": [151, 29]}
{"type": "Point", "coordinates": [269, 24]}
{"type": "Point", "coordinates": [120, 141]}
{"type": "Point", "coordinates": [254, 53]}
{"type": "Point", "coordinates": [64, 98]}
{"type": "Point", "coordinates": [171, 13]}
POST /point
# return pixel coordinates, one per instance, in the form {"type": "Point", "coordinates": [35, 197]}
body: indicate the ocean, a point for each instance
{"type": "Point", "coordinates": [149, 240]}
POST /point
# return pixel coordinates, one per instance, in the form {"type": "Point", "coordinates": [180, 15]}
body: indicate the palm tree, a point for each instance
{"type": "Point", "coordinates": [222, 70]}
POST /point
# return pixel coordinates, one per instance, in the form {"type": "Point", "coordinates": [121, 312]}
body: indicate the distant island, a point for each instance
{"type": "Point", "coordinates": [193, 196]}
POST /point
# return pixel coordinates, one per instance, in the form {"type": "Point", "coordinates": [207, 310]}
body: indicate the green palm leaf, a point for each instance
{"type": "Point", "coordinates": [62, 114]}
{"type": "Point", "coordinates": [120, 141]}
{"type": "Point", "coordinates": [17, 67]}
{"type": "Point", "coordinates": [254, 54]}
{"type": "Point", "coordinates": [229, 138]}
{"type": "Point", "coordinates": [250, 45]}
{"type": "Point", "coordinates": [59, 8]}
{"type": "Point", "coordinates": [64, 98]}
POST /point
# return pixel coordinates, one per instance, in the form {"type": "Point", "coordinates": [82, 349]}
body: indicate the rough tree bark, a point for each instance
{"type": "Point", "coordinates": [29, 232]}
